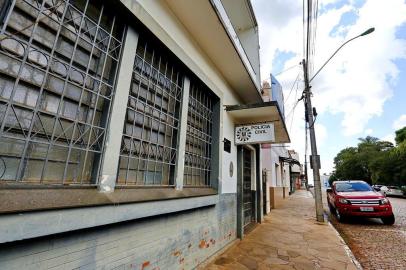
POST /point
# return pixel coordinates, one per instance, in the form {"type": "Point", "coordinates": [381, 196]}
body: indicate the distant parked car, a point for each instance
{"type": "Point", "coordinates": [394, 191]}
{"type": "Point", "coordinates": [381, 188]}
{"type": "Point", "coordinates": [356, 198]}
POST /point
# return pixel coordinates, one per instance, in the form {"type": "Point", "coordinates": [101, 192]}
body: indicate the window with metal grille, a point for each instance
{"type": "Point", "coordinates": [149, 143]}
{"type": "Point", "coordinates": [58, 65]}
{"type": "Point", "coordinates": [199, 136]}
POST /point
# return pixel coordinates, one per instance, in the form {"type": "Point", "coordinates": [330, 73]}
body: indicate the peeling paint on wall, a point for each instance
{"type": "Point", "coordinates": [175, 241]}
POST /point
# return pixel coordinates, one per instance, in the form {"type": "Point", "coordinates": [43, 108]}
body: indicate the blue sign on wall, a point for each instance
{"type": "Point", "coordinates": [277, 94]}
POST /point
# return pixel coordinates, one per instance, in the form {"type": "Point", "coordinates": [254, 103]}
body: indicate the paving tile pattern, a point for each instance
{"type": "Point", "coordinates": [289, 238]}
{"type": "Point", "coordinates": [375, 245]}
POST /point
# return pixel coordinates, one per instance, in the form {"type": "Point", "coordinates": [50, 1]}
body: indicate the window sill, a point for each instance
{"type": "Point", "coordinates": [122, 205]}
{"type": "Point", "coordinates": [22, 199]}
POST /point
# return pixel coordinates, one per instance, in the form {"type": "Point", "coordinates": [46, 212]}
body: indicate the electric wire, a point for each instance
{"type": "Point", "coordinates": [305, 153]}
{"type": "Point", "coordinates": [293, 113]}
{"type": "Point", "coordinates": [293, 108]}
{"type": "Point", "coordinates": [293, 85]}
{"type": "Point", "coordinates": [303, 28]}
{"type": "Point", "coordinates": [315, 31]}
{"type": "Point", "coordinates": [283, 71]}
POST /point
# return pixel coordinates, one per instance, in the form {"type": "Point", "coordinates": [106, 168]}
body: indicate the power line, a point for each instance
{"type": "Point", "coordinates": [293, 113]}
{"type": "Point", "coordinates": [303, 28]}
{"type": "Point", "coordinates": [293, 108]}
{"type": "Point", "coordinates": [293, 85]}
{"type": "Point", "coordinates": [283, 71]}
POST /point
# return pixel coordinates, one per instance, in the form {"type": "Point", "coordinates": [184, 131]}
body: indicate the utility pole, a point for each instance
{"type": "Point", "coordinates": [305, 158]}
{"type": "Point", "coordinates": [314, 159]}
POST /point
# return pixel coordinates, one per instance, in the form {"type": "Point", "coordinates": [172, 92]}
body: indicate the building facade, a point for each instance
{"type": "Point", "coordinates": [276, 158]}
{"type": "Point", "coordinates": [117, 132]}
{"type": "Point", "coordinates": [296, 171]}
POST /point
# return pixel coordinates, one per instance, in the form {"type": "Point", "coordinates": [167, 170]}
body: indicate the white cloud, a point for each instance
{"type": "Point", "coordinates": [368, 131]}
{"type": "Point", "coordinates": [356, 82]}
{"type": "Point", "coordinates": [321, 134]}
{"type": "Point", "coordinates": [400, 122]}
{"type": "Point", "coordinates": [389, 138]}
{"type": "Point", "coordinates": [280, 28]}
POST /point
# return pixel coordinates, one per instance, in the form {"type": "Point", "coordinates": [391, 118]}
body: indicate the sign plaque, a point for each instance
{"type": "Point", "coordinates": [254, 134]}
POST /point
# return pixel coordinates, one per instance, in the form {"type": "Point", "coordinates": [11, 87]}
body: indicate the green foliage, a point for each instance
{"type": "Point", "coordinates": [400, 135]}
{"type": "Point", "coordinates": [333, 177]}
{"type": "Point", "coordinates": [374, 161]}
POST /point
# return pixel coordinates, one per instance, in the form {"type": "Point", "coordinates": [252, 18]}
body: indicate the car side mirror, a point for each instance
{"type": "Point", "coordinates": [329, 190]}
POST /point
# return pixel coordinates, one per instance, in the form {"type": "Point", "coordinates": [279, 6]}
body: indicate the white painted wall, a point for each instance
{"type": "Point", "coordinates": [249, 40]}
{"type": "Point", "coordinates": [229, 183]}
{"type": "Point", "coordinates": [277, 172]}
{"type": "Point", "coordinates": [244, 24]}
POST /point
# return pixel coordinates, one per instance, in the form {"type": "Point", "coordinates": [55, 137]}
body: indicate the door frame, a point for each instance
{"type": "Point", "coordinates": [256, 186]}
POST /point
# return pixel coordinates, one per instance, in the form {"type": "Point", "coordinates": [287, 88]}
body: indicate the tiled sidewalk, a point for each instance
{"type": "Point", "coordinates": [289, 238]}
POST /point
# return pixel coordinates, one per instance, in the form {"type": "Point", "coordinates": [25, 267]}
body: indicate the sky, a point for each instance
{"type": "Point", "coordinates": [361, 91]}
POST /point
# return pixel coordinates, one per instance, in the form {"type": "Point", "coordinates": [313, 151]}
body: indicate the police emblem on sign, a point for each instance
{"type": "Point", "coordinates": [244, 134]}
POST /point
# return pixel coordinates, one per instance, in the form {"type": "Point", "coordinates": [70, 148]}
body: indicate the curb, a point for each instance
{"type": "Point", "coordinates": [347, 248]}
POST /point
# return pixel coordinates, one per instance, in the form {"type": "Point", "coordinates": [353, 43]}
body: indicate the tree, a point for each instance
{"type": "Point", "coordinates": [370, 149]}
{"type": "Point", "coordinates": [390, 168]}
{"type": "Point", "coordinates": [400, 135]}
{"type": "Point", "coordinates": [349, 165]}
{"type": "Point", "coordinates": [370, 161]}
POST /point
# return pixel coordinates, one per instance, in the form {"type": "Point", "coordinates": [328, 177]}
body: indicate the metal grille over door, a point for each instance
{"type": "Point", "coordinates": [58, 62]}
{"type": "Point", "coordinates": [248, 197]}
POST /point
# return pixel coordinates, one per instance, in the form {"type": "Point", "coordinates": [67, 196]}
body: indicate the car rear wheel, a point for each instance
{"type": "Point", "coordinates": [388, 220]}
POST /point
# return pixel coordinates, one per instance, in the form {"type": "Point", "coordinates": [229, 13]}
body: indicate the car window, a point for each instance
{"type": "Point", "coordinates": [350, 187]}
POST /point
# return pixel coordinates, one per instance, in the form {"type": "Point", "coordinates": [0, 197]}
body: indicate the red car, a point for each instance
{"type": "Point", "coordinates": [357, 198]}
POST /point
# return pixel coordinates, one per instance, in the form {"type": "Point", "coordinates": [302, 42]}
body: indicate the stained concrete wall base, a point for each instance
{"type": "Point", "coordinates": [180, 240]}
{"type": "Point", "coordinates": [215, 256]}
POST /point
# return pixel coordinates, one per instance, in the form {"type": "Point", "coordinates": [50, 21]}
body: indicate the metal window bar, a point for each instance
{"type": "Point", "coordinates": [199, 137]}
{"type": "Point", "coordinates": [57, 75]}
{"type": "Point", "coordinates": [148, 150]}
